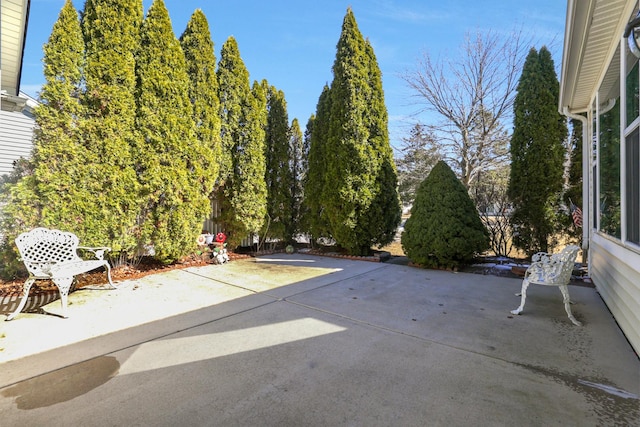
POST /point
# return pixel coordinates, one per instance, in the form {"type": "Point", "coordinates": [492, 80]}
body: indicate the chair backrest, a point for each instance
{"type": "Point", "coordinates": [569, 253]}
{"type": "Point", "coordinates": [568, 257]}
{"type": "Point", "coordinates": [41, 248]}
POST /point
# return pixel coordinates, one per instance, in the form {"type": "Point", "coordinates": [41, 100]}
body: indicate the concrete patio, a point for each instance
{"type": "Point", "coordinates": [292, 340]}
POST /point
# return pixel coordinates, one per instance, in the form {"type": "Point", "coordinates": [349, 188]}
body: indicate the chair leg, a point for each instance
{"type": "Point", "coordinates": [25, 295]}
{"type": "Point", "coordinates": [567, 304]}
{"type": "Point", "coordinates": [64, 285]}
{"type": "Point", "coordinates": [523, 297]}
{"type": "Point", "coordinates": [108, 267]}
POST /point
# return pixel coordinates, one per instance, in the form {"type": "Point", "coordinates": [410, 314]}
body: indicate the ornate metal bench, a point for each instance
{"type": "Point", "coordinates": [551, 270]}
{"type": "Point", "coordinates": [53, 255]}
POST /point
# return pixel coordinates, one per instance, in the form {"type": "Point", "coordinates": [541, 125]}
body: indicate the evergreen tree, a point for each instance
{"type": "Point", "coordinates": [359, 194]}
{"type": "Point", "coordinates": [419, 155]}
{"type": "Point", "coordinates": [59, 158]}
{"type": "Point", "coordinates": [243, 113]}
{"type": "Point", "coordinates": [306, 144]}
{"type": "Point", "coordinates": [49, 190]}
{"type": "Point", "coordinates": [314, 216]}
{"type": "Point", "coordinates": [385, 213]}
{"type": "Point", "coordinates": [111, 30]}
{"type": "Point", "coordinates": [168, 162]}
{"type": "Point", "coordinates": [298, 171]}
{"type": "Point", "coordinates": [278, 174]}
{"type": "Point", "coordinates": [537, 154]}
{"type": "Point", "coordinates": [304, 221]}
{"type": "Point", "coordinates": [444, 229]}
{"type": "Point", "coordinates": [233, 91]}
{"type": "Point", "coordinates": [203, 92]}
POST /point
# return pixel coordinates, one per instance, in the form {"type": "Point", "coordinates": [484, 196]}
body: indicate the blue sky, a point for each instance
{"type": "Point", "coordinates": [292, 43]}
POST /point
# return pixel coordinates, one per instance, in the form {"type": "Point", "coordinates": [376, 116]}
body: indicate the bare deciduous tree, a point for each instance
{"type": "Point", "coordinates": [473, 95]}
{"type": "Point", "coordinates": [490, 196]}
{"type": "Point", "coordinates": [419, 154]}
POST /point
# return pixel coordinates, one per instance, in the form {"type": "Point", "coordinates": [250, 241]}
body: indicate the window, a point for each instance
{"type": "Point", "coordinates": [609, 154]}
{"type": "Point", "coordinates": [631, 158]}
{"type": "Point", "coordinates": [633, 91]}
{"type": "Point", "coordinates": [594, 163]}
{"type": "Point", "coordinates": [633, 186]}
{"type": "Point", "coordinates": [608, 151]}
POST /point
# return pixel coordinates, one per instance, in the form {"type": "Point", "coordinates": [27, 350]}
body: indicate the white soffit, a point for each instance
{"type": "Point", "coordinates": [12, 36]}
{"type": "Point", "coordinates": [593, 30]}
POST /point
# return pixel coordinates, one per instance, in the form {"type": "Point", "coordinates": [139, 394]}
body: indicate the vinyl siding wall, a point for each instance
{"type": "Point", "coordinates": [16, 138]}
{"type": "Point", "coordinates": [616, 273]}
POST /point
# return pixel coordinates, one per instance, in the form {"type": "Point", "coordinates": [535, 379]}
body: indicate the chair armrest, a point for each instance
{"type": "Point", "coordinates": [98, 252]}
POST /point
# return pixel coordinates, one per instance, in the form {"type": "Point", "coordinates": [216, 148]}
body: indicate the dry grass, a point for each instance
{"type": "Point", "coordinates": [394, 248]}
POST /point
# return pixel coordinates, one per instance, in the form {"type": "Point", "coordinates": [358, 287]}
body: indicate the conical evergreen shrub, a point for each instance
{"type": "Point", "coordinates": [444, 230]}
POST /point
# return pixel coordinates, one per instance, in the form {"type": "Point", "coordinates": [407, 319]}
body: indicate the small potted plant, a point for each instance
{"type": "Point", "coordinates": [204, 241]}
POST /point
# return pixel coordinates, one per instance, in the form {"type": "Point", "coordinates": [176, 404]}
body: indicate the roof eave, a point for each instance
{"type": "Point", "coordinates": [575, 36]}
{"type": "Point", "coordinates": [592, 34]}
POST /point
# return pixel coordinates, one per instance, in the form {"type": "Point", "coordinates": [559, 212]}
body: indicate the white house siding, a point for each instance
{"type": "Point", "coordinates": [16, 138]}
{"type": "Point", "coordinates": [616, 274]}
{"type": "Point", "coordinates": [595, 60]}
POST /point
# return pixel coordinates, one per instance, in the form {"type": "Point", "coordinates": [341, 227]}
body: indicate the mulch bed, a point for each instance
{"type": "Point", "coordinates": [118, 274]}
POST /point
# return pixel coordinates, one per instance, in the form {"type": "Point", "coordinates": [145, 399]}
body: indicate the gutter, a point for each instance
{"type": "Point", "coordinates": [585, 175]}
{"type": "Point", "coordinates": [27, 5]}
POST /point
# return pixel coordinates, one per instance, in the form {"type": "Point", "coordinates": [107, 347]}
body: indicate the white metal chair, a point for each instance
{"type": "Point", "coordinates": [551, 270]}
{"type": "Point", "coordinates": [50, 254]}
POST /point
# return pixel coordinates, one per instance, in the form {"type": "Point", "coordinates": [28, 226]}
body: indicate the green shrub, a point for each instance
{"type": "Point", "coordinates": [444, 230]}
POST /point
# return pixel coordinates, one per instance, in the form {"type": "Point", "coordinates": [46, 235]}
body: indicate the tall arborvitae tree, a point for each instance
{"type": "Point", "coordinates": [51, 192]}
{"type": "Point", "coordinates": [233, 90]}
{"type": "Point", "coordinates": [111, 31]}
{"type": "Point", "coordinates": [243, 115]}
{"type": "Point", "coordinates": [201, 65]}
{"type": "Point", "coordinates": [359, 194]}
{"type": "Point", "coordinates": [386, 210]}
{"type": "Point", "coordinates": [537, 154]}
{"type": "Point", "coordinates": [306, 144]}
{"type": "Point", "coordinates": [298, 172]}
{"type": "Point", "coordinates": [278, 175]}
{"type": "Point", "coordinates": [303, 215]}
{"type": "Point", "coordinates": [168, 154]}
{"type": "Point", "coordinates": [59, 158]}
{"type": "Point", "coordinates": [314, 215]}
